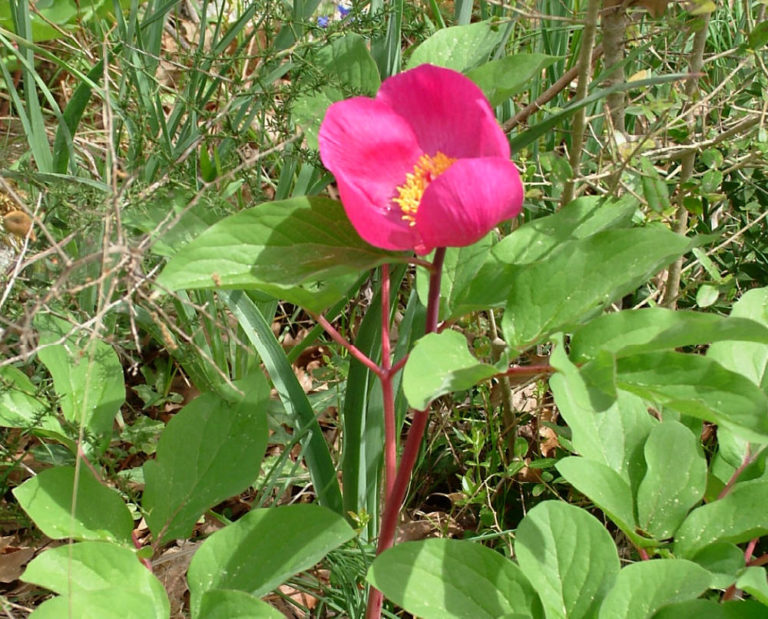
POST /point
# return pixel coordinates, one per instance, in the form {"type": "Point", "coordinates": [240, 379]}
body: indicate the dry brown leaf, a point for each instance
{"type": "Point", "coordinates": [13, 559]}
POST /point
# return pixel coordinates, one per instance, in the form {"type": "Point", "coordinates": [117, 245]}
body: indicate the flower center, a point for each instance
{"type": "Point", "coordinates": [427, 169]}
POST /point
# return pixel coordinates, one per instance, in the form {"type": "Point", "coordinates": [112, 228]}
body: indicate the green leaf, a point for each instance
{"type": "Point", "coordinates": [605, 488]}
{"type": "Point", "coordinates": [102, 574]}
{"type": "Point", "coordinates": [747, 358]}
{"type": "Point", "coordinates": [87, 376]}
{"type": "Point", "coordinates": [349, 69]}
{"type": "Point", "coordinates": [315, 449]}
{"type": "Point", "coordinates": [754, 581]}
{"type": "Point", "coordinates": [737, 517]}
{"type": "Point", "coordinates": [503, 78]}
{"type": "Point", "coordinates": [113, 603]}
{"type": "Point", "coordinates": [568, 556]}
{"type": "Point", "coordinates": [723, 561]}
{"type": "Point", "coordinates": [264, 548]}
{"type": "Point", "coordinates": [20, 407]}
{"type": "Point", "coordinates": [460, 268]}
{"type": "Point", "coordinates": [614, 437]}
{"type": "Point", "coordinates": [697, 386]}
{"type": "Point", "coordinates": [654, 188]}
{"type": "Point", "coordinates": [309, 111]}
{"type": "Point", "coordinates": [534, 241]}
{"type": "Point", "coordinates": [642, 588]}
{"type": "Point", "coordinates": [442, 578]}
{"type": "Point", "coordinates": [706, 295]}
{"type": "Point", "coordinates": [541, 238]}
{"type": "Point", "coordinates": [223, 604]}
{"type": "Point", "coordinates": [441, 363]}
{"type": "Point", "coordinates": [347, 61]}
{"type": "Point", "coordinates": [645, 330]}
{"type": "Point", "coordinates": [580, 279]}
{"type": "Point", "coordinates": [459, 47]}
{"type": "Point", "coordinates": [191, 218]}
{"type": "Point", "coordinates": [209, 451]}
{"type": "Point", "coordinates": [98, 513]}
{"type": "Point", "coordinates": [671, 486]}
{"type": "Point", "coordinates": [758, 37]}
{"type": "Point", "coordinates": [709, 609]}
{"type": "Point", "coordinates": [303, 250]}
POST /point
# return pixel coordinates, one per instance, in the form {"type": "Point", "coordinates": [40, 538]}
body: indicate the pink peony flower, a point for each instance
{"type": "Point", "coordinates": [424, 164]}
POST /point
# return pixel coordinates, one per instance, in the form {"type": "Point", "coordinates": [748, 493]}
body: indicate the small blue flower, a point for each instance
{"type": "Point", "coordinates": [322, 21]}
{"type": "Point", "coordinates": [343, 11]}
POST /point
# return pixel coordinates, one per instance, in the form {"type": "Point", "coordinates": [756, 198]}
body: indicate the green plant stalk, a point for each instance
{"type": "Point", "coordinates": [580, 120]}
{"type": "Point", "coordinates": [412, 444]}
{"type": "Point", "coordinates": [672, 288]}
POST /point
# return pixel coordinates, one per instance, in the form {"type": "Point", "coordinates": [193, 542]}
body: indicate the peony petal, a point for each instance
{"type": "Point", "coordinates": [384, 230]}
{"type": "Point", "coordinates": [370, 149]}
{"type": "Point", "coordinates": [468, 200]}
{"type": "Point", "coordinates": [447, 112]}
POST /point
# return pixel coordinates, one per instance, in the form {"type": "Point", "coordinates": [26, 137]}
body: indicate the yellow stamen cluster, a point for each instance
{"type": "Point", "coordinates": [427, 169]}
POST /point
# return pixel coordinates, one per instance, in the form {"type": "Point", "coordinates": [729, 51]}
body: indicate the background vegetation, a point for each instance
{"type": "Point", "coordinates": [129, 128]}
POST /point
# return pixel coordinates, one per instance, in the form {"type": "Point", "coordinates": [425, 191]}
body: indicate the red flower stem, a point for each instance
{"type": "Point", "coordinates": [342, 341]}
{"type": "Point", "coordinates": [412, 445]}
{"type": "Point", "coordinates": [388, 397]}
{"type": "Point", "coordinates": [399, 365]}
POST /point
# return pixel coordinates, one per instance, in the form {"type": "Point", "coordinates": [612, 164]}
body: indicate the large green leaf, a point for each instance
{"type": "Point", "coordinates": [223, 604]}
{"type": "Point", "coordinates": [671, 486]}
{"type": "Point", "coordinates": [20, 406]}
{"type": "Point", "coordinates": [543, 237]}
{"type": "Point", "coordinates": [500, 79]}
{"type": "Point", "coordinates": [738, 517]}
{"type": "Point", "coordinates": [581, 278]}
{"type": "Point", "coordinates": [540, 240]}
{"type": "Point", "coordinates": [459, 47]}
{"type": "Point", "coordinates": [723, 560]}
{"type": "Point", "coordinates": [605, 488]}
{"type": "Point", "coordinates": [747, 358]}
{"type": "Point", "coordinates": [568, 556]}
{"type": "Point", "coordinates": [646, 330]}
{"type": "Point", "coordinates": [642, 588]}
{"type": "Point", "coordinates": [709, 609]}
{"type": "Point", "coordinates": [303, 250]}
{"type": "Point", "coordinates": [209, 451]}
{"type": "Point", "coordinates": [697, 386]}
{"type": "Point", "coordinates": [441, 363]}
{"type": "Point", "coordinates": [98, 579]}
{"type": "Point", "coordinates": [264, 548]}
{"type": "Point", "coordinates": [614, 437]}
{"type": "Point", "coordinates": [84, 510]}
{"type": "Point", "coordinates": [753, 581]}
{"type": "Point", "coordinates": [87, 376]}
{"type": "Point", "coordinates": [750, 359]}
{"type": "Point", "coordinates": [442, 578]}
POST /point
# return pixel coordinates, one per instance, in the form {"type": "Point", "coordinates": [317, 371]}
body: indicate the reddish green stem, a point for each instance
{"type": "Point", "coordinates": [412, 444]}
{"type": "Point", "coordinates": [342, 341]}
{"type": "Point", "coordinates": [387, 392]}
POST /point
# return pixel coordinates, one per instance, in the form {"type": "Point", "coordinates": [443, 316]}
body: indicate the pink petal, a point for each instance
{"type": "Point", "coordinates": [468, 200]}
{"type": "Point", "coordinates": [370, 149]}
{"type": "Point", "coordinates": [447, 112]}
{"type": "Point", "coordinates": [386, 230]}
